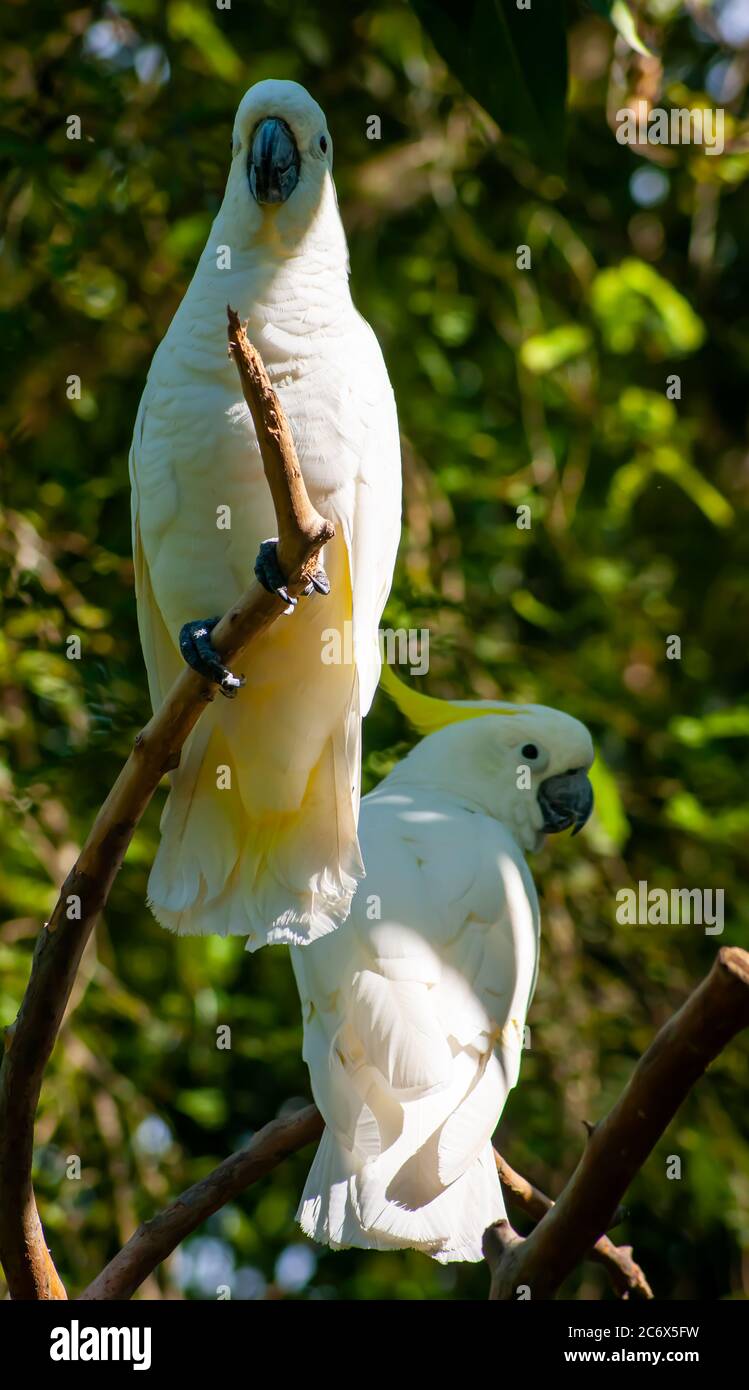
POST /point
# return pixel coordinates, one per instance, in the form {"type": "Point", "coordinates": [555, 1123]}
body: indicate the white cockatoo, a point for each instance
{"type": "Point", "coordinates": [414, 1014]}
{"type": "Point", "coordinates": [258, 837]}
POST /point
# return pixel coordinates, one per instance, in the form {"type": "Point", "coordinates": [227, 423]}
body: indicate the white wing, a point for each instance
{"type": "Point", "coordinates": [275, 857]}
{"type": "Point", "coordinates": [423, 1013]}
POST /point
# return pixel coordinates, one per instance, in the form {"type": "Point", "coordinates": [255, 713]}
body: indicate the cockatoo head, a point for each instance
{"type": "Point", "coordinates": [282, 157]}
{"type": "Point", "coordinates": [526, 765]}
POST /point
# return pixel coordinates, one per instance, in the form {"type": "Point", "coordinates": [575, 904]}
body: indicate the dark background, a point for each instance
{"type": "Point", "coordinates": [545, 387]}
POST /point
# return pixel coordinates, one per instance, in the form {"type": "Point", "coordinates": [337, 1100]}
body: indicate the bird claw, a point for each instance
{"type": "Point", "coordinates": [318, 582]}
{"type": "Point", "coordinates": [198, 651]}
{"type": "Point", "coordinates": [268, 573]}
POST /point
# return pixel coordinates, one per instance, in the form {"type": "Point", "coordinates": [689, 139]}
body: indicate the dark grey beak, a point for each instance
{"type": "Point", "coordinates": [273, 162]}
{"type": "Point", "coordinates": [566, 800]}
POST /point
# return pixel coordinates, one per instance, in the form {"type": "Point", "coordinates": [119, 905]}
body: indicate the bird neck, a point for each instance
{"type": "Point", "coordinates": [466, 765]}
{"type": "Point", "coordinates": [285, 270]}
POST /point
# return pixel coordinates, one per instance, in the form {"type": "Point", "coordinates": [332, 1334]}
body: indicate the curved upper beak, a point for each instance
{"type": "Point", "coordinates": [273, 162]}
{"type": "Point", "coordinates": [566, 800]}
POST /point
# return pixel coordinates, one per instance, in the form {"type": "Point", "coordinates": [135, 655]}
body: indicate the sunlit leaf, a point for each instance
{"type": "Point", "coordinates": [711, 503]}
{"type": "Point", "coordinates": [546, 351]}
{"type": "Point", "coordinates": [720, 723]}
{"type": "Point", "coordinates": [193, 22]}
{"type": "Point", "coordinates": [633, 302]}
{"type": "Point", "coordinates": [609, 808]}
{"type": "Point", "coordinates": [620, 14]}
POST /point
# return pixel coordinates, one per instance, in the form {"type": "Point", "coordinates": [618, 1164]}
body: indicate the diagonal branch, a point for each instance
{"type": "Point", "coordinates": [29, 1041]}
{"type": "Point", "coordinates": [156, 1239]}
{"type": "Point", "coordinates": [618, 1146]}
{"type": "Point", "coordinates": [625, 1276]}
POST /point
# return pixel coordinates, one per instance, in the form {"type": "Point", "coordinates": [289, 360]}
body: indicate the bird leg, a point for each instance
{"type": "Point", "coordinates": [268, 573]}
{"type": "Point", "coordinates": [198, 651]}
{"type": "Point", "coordinates": [195, 637]}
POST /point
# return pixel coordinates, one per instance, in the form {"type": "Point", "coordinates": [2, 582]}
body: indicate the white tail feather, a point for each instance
{"type": "Point", "coordinates": [448, 1227]}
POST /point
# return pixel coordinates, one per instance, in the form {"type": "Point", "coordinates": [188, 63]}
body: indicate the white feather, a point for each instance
{"type": "Point", "coordinates": [274, 856]}
{"type": "Point", "coordinates": [414, 1012]}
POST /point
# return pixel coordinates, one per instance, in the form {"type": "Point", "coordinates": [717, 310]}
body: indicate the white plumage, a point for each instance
{"type": "Point", "coordinates": [414, 1013]}
{"type": "Point", "coordinates": [275, 855]}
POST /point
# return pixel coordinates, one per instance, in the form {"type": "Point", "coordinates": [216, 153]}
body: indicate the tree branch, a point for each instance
{"type": "Point", "coordinates": [156, 1239]}
{"type": "Point", "coordinates": [29, 1041]}
{"type": "Point", "coordinates": [625, 1276]}
{"type": "Point", "coordinates": [712, 1015]}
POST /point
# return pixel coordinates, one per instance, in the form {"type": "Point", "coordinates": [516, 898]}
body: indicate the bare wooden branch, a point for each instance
{"type": "Point", "coordinates": [625, 1276]}
{"type": "Point", "coordinates": [683, 1049]}
{"type": "Point", "coordinates": [29, 1041]}
{"type": "Point", "coordinates": [156, 1239]}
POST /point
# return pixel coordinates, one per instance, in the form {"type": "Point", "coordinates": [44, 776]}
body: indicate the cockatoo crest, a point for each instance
{"type": "Point", "coordinates": [511, 763]}
{"type": "Point", "coordinates": [426, 714]}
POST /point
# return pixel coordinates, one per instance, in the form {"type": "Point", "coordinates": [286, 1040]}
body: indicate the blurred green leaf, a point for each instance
{"type": "Point", "coordinates": [191, 21]}
{"type": "Point", "coordinates": [720, 723]}
{"type": "Point", "coordinates": [206, 1106]}
{"type": "Point", "coordinates": [609, 808]}
{"type": "Point", "coordinates": [620, 14]}
{"type": "Point", "coordinates": [673, 464]}
{"type": "Point", "coordinates": [545, 351]}
{"type": "Point", "coordinates": [632, 301]}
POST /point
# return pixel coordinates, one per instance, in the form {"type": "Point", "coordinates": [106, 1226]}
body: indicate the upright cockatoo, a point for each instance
{"type": "Point", "coordinates": [414, 1014]}
{"type": "Point", "coordinates": [258, 837]}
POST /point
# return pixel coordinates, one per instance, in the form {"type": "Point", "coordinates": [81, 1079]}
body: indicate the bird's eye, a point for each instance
{"type": "Point", "coordinates": [323, 144]}
{"type": "Point", "coordinates": [529, 751]}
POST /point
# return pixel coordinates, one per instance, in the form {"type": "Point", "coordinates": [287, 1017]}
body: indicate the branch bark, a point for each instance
{"type": "Point", "coordinates": [625, 1276]}
{"type": "Point", "coordinates": [682, 1051]}
{"type": "Point", "coordinates": [156, 1239]}
{"type": "Point", "coordinates": [29, 1041]}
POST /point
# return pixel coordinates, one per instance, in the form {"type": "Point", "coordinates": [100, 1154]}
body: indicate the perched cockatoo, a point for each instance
{"type": "Point", "coordinates": [258, 837]}
{"type": "Point", "coordinates": [414, 1013]}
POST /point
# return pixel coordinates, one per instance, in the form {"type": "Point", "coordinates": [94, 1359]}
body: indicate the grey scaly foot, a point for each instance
{"type": "Point", "coordinates": [198, 651]}
{"type": "Point", "coordinates": [268, 573]}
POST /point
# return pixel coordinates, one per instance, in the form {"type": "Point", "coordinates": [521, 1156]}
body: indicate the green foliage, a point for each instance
{"type": "Point", "coordinates": [621, 16]}
{"type": "Point", "coordinates": [513, 60]}
{"type": "Point", "coordinates": [544, 387]}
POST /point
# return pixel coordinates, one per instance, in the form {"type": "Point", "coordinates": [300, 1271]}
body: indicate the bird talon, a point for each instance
{"type": "Point", "coordinates": [198, 651]}
{"type": "Point", "coordinates": [319, 582]}
{"type": "Point", "coordinates": [268, 573]}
